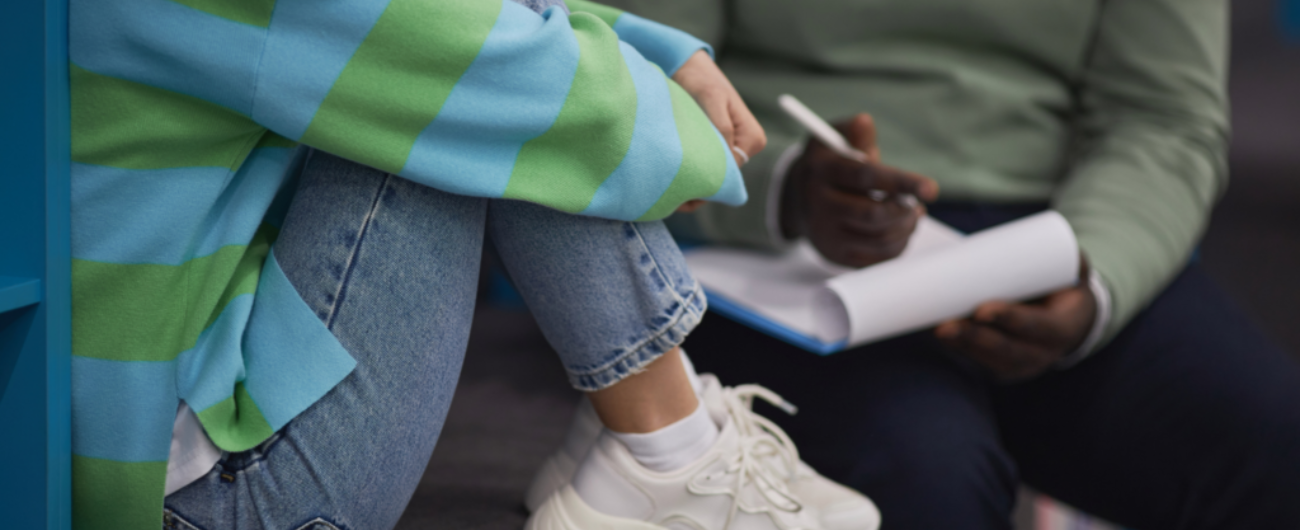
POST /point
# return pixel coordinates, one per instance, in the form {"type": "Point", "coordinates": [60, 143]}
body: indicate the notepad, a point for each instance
{"type": "Point", "coordinates": [824, 308]}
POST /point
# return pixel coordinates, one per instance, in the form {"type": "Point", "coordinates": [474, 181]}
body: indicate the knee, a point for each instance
{"type": "Point", "coordinates": [937, 457]}
{"type": "Point", "coordinates": [930, 466]}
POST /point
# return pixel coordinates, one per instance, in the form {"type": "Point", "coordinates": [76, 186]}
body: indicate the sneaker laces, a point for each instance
{"type": "Point", "coordinates": [740, 405]}
{"type": "Point", "coordinates": [761, 443]}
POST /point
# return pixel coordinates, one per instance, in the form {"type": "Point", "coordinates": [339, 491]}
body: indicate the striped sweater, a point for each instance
{"type": "Point", "coordinates": [189, 119]}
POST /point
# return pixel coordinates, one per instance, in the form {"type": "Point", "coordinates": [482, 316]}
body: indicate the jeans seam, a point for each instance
{"type": "Point", "coordinates": [350, 266]}
{"type": "Point", "coordinates": [604, 366]}
{"type": "Point", "coordinates": [635, 358]}
{"type": "Point", "coordinates": [687, 310]}
{"type": "Point", "coordinates": [600, 377]}
{"type": "Point", "coordinates": [658, 269]}
{"type": "Point", "coordinates": [315, 521]}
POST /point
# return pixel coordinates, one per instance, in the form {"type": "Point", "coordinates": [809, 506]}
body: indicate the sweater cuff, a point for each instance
{"type": "Point", "coordinates": [665, 46]}
{"type": "Point", "coordinates": [1102, 295]}
{"type": "Point", "coordinates": [776, 187]}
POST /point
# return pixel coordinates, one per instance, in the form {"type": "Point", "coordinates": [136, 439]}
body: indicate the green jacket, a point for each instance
{"type": "Point", "coordinates": [1114, 111]}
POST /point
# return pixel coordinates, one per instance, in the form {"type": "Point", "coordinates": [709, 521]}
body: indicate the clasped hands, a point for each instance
{"type": "Point", "coordinates": [836, 203]}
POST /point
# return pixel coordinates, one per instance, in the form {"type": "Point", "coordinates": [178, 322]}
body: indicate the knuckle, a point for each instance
{"type": "Point", "coordinates": [988, 339]}
{"type": "Point", "coordinates": [894, 249]}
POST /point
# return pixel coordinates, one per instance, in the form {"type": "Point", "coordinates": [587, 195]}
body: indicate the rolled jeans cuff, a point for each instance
{"type": "Point", "coordinates": [683, 315]}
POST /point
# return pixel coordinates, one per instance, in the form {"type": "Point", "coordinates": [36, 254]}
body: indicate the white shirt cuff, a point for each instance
{"type": "Point", "coordinates": [776, 185]}
{"type": "Point", "coordinates": [1102, 295]}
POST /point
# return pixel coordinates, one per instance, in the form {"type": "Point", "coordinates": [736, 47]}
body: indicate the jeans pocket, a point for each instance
{"type": "Point", "coordinates": [172, 521]}
{"type": "Point", "coordinates": [318, 524]}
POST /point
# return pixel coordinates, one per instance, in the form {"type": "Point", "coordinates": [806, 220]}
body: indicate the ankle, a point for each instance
{"type": "Point", "coordinates": [657, 396]}
{"type": "Point", "coordinates": [675, 445]}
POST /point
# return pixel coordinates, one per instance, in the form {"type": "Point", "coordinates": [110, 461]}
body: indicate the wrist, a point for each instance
{"type": "Point", "coordinates": [1101, 318]}
{"type": "Point", "coordinates": [693, 74]}
{"type": "Point", "coordinates": [792, 222]}
{"type": "Point", "coordinates": [793, 210]}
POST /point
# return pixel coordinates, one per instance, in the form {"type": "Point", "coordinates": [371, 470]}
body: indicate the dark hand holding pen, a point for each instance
{"type": "Point", "coordinates": [836, 202]}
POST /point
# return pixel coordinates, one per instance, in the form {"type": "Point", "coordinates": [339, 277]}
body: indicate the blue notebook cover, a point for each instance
{"type": "Point", "coordinates": [754, 320]}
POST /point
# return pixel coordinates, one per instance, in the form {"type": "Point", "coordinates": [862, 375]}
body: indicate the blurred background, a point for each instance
{"type": "Point", "coordinates": [512, 405]}
{"type": "Point", "coordinates": [1253, 245]}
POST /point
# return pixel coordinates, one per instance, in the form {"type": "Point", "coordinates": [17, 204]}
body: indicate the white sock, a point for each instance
{"type": "Point", "coordinates": [690, 374]}
{"type": "Point", "coordinates": [586, 425]}
{"type": "Point", "coordinates": [675, 446]}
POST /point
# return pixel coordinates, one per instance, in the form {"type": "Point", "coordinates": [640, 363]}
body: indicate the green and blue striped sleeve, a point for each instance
{"type": "Point", "coordinates": [476, 97]}
{"type": "Point", "coordinates": [663, 45]}
{"type": "Point", "coordinates": [549, 109]}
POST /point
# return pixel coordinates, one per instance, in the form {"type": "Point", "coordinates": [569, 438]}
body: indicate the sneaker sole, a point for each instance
{"type": "Point", "coordinates": [554, 474]}
{"type": "Point", "coordinates": [565, 510]}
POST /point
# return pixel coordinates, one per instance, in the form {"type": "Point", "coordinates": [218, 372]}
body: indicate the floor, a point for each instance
{"type": "Point", "coordinates": [512, 405]}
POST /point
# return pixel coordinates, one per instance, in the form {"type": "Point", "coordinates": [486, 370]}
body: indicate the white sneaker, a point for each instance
{"type": "Point", "coordinates": [728, 488]}
{"type": "Point", "coordinates": [841, 508]}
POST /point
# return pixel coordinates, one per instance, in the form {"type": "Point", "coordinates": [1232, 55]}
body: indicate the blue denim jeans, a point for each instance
{"type": "Point", "coordinates": [391, 267]}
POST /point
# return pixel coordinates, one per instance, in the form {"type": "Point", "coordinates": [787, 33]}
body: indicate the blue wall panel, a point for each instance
{"type": "Point", "coordinates": [1289, 16]}
{"type": "Point", "coordinates": [34, 323]}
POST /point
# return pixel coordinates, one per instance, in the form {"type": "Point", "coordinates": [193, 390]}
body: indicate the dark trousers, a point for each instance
{"type": "Point", "coordinates": [1189, 419]}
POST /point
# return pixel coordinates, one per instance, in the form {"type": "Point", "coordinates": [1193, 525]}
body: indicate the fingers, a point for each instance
{"type": "Point", "coordinates": [716, 106]}
{"type": "Point", "coordinates": [690, 206]}
{"type": "Point", "coordinates": [864, 179]}
{"type": "Point", "coordinates": [749, 135]}
{"type": "Point", "coordinates": [1053, 322]}
{"type": "Point", "coordinates": [857, 232]}
{"type": "Point", "coordinates": [702, 79]}
{"type": "Point", "coordinates": [1032, 322]}
{"type": "Point", "coordinates": [1005, 356]}
{"type": "Point", "coordinates": [867, 216]}
{"type": "Point", "coordinates": [847, 224]}
{"type": "Point", "coordinates": [860, 131]}
{"type": "Point", "coordinates": [1018, 340]}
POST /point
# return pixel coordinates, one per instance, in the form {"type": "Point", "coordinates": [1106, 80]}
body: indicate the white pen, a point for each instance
{"type": "Point", "coordinates": [834, 140]}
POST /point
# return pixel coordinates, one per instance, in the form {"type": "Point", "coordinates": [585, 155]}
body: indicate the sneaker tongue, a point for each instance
{"type": "Point", "coordinates": [728, 435]}
{"type": "Point", "coordinates": [713, 400]}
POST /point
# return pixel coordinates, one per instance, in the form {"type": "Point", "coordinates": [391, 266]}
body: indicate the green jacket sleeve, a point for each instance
{"type": "Point", "coordinates": [1152, 144]}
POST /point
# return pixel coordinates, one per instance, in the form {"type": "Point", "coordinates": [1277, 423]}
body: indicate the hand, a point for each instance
{"type": "Point", "coordinates": [690, 206]}
{"type": "Point", "coordinates": [828, 198]}
{"type": "Point", "coordinates": [1017, 341]}
{"type": "Point", "coordinates": [702, 79]}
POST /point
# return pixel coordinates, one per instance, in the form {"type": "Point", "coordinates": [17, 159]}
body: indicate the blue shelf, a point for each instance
{"type": "Point", "coordinates": [1289, 15]}
{"type": "Point", "coordinates": [35, 267]}
{"type": "Point", "coordinates": [18, 292]}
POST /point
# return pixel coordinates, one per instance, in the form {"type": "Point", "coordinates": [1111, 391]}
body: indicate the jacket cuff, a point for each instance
{"type": "Point", "coordinates": [1090, 343]}
{"type": "Point", "coordinates": [776, 187]}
